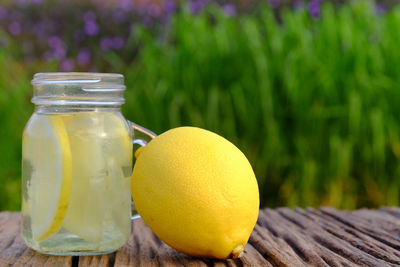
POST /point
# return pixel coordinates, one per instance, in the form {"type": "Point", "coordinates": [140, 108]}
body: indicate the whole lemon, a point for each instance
{"type": "Point", "coordinates": [197, 192]}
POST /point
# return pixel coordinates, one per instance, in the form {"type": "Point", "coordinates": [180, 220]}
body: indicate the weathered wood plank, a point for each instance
{"type": "Point", "coordinates": [14, 252]}
{"type": "Point", "coordinates": [100, 260]}
{"type": "Point", "coordinates": [374, 226]}
{"type": "Point", "coordinates": [355, 238]}
{"type": "Point", "coordinates": [293, 238]}
{"type": "Point", "coordinates": [395, 212]}
{"type": "Point", "coordinates": [145, 249]}
{"type": "Point", "coordinates": [282, 237]}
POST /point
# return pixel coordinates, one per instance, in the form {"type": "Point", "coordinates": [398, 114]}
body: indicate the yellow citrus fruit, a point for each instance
{"type": "Point", "coordinates": [47, 151]}
{"type": "Point", "coordinates": [197, 192]}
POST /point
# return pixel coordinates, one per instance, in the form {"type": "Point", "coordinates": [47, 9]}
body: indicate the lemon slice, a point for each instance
{"type": "Point", "coordinates": [46, 148]}
{"type": "Point", "coordinates": [96, 138]}
{"type": "Point", "coordinates": [119, 170]}
{"type": "Point", "coordinates": [120, 145]}
{"type": "Point", "coordinates": [85, 213]}
{"type": "Point", "coordinates": [118, 193]}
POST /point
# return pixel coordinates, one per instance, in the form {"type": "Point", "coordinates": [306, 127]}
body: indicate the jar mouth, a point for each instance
{"type": "Point", "coordinates": [74, 77]}
{"type": "Point", "coordinates": [78, 88]}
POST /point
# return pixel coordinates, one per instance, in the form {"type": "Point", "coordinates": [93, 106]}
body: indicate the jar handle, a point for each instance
{"type": "Point", "coordinates": [141, 136]}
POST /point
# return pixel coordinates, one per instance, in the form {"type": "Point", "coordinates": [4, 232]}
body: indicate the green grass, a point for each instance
{"type": "Point", "coordinates": [314, 104]}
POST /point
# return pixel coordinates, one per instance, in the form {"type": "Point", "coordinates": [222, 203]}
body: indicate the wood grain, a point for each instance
{"type": "Point", "coordinates": [281, 237]}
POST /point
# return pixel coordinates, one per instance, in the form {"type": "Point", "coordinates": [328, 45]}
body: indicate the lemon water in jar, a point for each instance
{"type": "Point", "coordinates": [77, 164]}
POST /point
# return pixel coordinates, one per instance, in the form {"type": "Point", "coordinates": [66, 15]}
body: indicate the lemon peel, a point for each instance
{"type": "Point", "coordinates": [50, 190]}
{"type": "Point", "coordinates": [65, 191]}
{"type": "Point", "coordinates": [138, 151]}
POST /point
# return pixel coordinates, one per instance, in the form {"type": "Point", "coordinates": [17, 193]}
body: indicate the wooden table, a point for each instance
{"type": "Point", "coordinates": [282, 237]}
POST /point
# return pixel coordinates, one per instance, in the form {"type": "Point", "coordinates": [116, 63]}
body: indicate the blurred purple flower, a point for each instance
{"type": "Point", "coordinates": [59, 52]}
{"type": "Point", "coordinates": [91, 28]}
{"type": "Point", "coordinates": [118, 42]}
{"type": "Point", "coordinates": [83, 57]}
{"type": "Point", "coordinates": [106, 43]}
{"type": "Point", "coordinates": [89, 16]}
{"type": "Point", "coordinates": [274, 3]}
{"type": "Point", "coordinates": [154, 10]}
{"type": "Point", "coordinates": [15, 28]}
{"type": "Point", "coordinates": [67, 65]}
{"type": "Point", "coordinates": [314, 7]}
{"type": "Point", "coordinates": [3, 12]}
{"type": "Point", "coordinates": [169, 7]}
{"type": "Point", "coordinates": [57, 47]}
{"type": "Point", "coordinates": [54, 42]}
{"type": "Point", "coordinates": [37, 1]}
{"type": "Point", "coordinates": [380, 8]}
{"type": "Point", "coordinates": [197, 6]}
{"type": "Point", "coordinates": [21, 3]}
{"type": "Point", "coordinates": [229, 10]}
{"type": "Point", "coordinates": [126, 5]}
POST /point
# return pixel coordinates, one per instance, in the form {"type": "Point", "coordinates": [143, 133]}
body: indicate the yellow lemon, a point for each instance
{"type": "Point", "coordinates": [47, 152]}
{"type": "Point", "coordinates": [197, 192]}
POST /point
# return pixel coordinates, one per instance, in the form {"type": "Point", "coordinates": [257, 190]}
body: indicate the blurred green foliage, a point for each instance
{"type": "Point", "coordinates": [313, 103]}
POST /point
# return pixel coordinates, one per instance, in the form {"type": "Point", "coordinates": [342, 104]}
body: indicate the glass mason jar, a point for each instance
{"type": "Point", "coordinates": [77, 165]}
